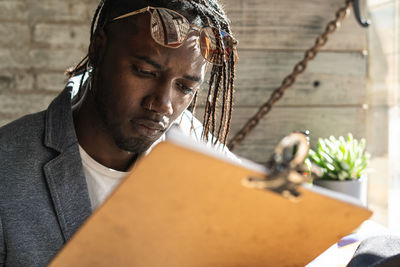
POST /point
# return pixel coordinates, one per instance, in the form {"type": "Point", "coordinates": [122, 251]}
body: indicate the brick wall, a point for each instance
{"type": "Point", "coordinates": [39, 40]}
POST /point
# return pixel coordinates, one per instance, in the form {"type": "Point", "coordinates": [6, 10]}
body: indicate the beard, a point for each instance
{"type": "Point", "coordinates": [114, 129]}
{"type": "Point", "coordinates": [134, 145]}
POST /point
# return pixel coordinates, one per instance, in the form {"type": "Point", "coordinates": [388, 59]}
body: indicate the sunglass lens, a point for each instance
{"type": "Point", "coordinates": [168, 28]}
{"type": "Point", "coordinates": [212, 47]}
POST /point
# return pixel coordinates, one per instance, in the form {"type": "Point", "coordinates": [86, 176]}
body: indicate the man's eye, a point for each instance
{"type": "Point", "coordinates": [184, 89]}
{"type": "Point", "coordinates": [144, 73]}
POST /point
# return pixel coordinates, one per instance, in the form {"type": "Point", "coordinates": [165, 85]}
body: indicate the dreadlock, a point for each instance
{"type": "Point", "coordinates": [221, 79]}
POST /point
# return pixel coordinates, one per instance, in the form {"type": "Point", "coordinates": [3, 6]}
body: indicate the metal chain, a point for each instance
{"type": "Point", "coordinates": [289, 80]}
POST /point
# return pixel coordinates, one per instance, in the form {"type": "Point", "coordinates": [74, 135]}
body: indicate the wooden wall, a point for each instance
{"type": "Point", "coordinates": [328, 99]}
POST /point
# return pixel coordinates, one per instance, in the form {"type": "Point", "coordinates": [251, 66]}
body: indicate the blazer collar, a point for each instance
{"type": "Point", "coordinates": [60, 131]}
{"type": "Point", "coordinates": [64, 173]}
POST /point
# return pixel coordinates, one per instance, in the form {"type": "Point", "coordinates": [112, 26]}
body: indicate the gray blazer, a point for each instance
{"type": "Point", "coordinates": [43, 193]}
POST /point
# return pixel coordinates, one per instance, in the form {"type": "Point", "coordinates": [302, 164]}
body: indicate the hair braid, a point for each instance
{"type": "Point", "coordinates": [224, 98]}
{"type": "Point", "coordinates": [216, 93]}
{"type": "Point", "coordinates": [213, 93]}
{"type": "Point", "coordinates": [207, 110]}
{"type": "Point", "coordinates": [192, 108]}
{"type": "Point", "coordinates": [95, 18]}
{"type": "Point", "coordinates": [231, 92]}
{"type": "Point", "coordinates": [215, 84]}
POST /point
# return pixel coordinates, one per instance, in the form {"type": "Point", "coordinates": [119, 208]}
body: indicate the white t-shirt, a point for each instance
{"type": "Point", "coordinates": [100, 180]}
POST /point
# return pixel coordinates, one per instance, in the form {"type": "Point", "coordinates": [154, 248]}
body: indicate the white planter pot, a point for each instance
{"type": "Point", "coordinates": [355, 188]}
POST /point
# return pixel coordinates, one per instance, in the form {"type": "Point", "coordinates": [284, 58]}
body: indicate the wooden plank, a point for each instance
{"type": "Point", "coordinates": [320, 121]}
{"type": "Point", "coordinates": [331, 78]}
{"type": "Point", "coordinates": [288, 24]}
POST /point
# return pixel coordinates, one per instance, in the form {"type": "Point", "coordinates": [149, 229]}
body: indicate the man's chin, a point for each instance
{"type": "Point", "coordinates": [134, 145]}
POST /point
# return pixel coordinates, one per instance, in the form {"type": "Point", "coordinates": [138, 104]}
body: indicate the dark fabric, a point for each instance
{"type": "Point", "coordinates": [379, 251]}
{"type": "Point", "coordinates": [2, 245]}
{"type": "Point", "coordinates": [43, 193]}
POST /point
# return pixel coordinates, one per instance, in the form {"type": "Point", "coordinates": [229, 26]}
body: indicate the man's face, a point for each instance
{"type": "Point", "coordinates": [140, 86]}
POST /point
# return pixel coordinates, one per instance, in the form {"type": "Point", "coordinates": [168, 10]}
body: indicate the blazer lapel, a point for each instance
{"type": "Point", "coordinates": [68, 191]}
{"type": "Point", "coordinates": [64, 173]}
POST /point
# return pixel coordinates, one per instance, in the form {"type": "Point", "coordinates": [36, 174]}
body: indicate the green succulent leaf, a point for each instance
{"type": "Point", "coordinates": [340, 158]}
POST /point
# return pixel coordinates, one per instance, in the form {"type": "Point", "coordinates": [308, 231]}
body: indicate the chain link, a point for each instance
{"type": "Point", "coordinates": [289, 80]}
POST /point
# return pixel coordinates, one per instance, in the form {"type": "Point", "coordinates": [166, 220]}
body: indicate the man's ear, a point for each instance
{"type": "Point", "coordinates": [97, 47]}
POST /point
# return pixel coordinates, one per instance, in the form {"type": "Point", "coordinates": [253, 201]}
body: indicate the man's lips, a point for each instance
{"type": "Point", "coordinates": [149, 127]}
{"type": "Point", "coordinates": [155, 125]}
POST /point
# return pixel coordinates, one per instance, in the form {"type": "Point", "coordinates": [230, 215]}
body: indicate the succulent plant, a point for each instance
{"type": "Point", "coordinates": [340, 159]}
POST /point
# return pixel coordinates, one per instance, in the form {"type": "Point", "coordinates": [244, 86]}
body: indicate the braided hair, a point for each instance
{"type": "Point", "coordinates": [217, 113]}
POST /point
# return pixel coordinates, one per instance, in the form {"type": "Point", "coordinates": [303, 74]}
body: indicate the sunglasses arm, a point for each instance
{"type": "Point", "coordinates": [133, 13]}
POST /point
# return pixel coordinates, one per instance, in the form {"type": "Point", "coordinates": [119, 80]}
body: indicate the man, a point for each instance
{"type": "Point", "coordinates": [143, 71]}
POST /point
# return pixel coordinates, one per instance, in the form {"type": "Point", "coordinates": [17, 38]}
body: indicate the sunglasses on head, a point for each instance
{"type": "Point", "coordinates": [170, 29]}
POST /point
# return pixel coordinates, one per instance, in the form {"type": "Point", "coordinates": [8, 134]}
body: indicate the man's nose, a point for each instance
{"type": "Point", "coordinates": [160, 100]}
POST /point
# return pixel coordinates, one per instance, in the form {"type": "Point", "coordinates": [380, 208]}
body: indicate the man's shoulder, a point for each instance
{"type": "Point", "coordinates": [22, 130]}
{"type": "Point", "coordinates": [21, 148]}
